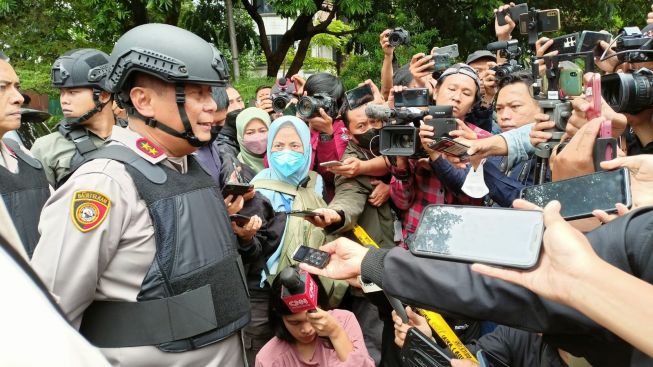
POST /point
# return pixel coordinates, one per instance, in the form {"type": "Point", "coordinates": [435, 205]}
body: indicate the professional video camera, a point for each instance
{"type": "Point", "coordinates": [401, 138]}
{"type": "Point", "coordinates": [633, 46]}
{"type": "Point", "coordinates": [628, 92]}
{"type": "Point", "coordinates": [398, 37]}
{"type": "Point", "coordinates": [282, 93]}
{"type": "Point", "coordinates": [509, 50]}
{"type": "Point", "coordinates": [309, 106]}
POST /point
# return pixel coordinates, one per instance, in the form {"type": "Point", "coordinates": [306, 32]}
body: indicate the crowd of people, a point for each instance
{"type": "Point", "coordinates": [152, 226]}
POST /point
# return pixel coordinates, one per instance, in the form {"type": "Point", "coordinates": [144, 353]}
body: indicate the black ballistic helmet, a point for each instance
{"type": "Point", "coordinates": [171, 54]}
{"type": "Point", "coordinates": [80, 68]}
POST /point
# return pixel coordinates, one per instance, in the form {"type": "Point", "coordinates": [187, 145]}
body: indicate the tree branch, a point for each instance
{"type": "Point", "coordinates": [263, 36]}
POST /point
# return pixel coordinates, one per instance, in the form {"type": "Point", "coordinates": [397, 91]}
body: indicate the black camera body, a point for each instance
{"type": "Point", "coordinates": [282, 93]}
{"type": "Point", "coordinates": [503, 70]}
{"type": "Point", "coordinates": [309, 106]}
{"type": "Point", "coordinates": [398, 37]}
{"type": "Point", "coordinates": [631, 38]}
{"type": "Point", "coordinates": [509, 50]}
{"type": "Point", "coordinates": [402, 139]}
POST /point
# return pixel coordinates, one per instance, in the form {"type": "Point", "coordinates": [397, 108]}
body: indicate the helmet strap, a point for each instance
{"type": "Point", "coordinates": [187, 134]}
{"type": "Point", "coordinates": [99, 106]}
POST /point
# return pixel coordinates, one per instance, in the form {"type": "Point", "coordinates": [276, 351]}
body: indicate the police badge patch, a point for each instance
{"type": "Point", "coordinates": [89, 208]}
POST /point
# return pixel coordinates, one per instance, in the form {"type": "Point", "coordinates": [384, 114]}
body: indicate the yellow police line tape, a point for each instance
{"type": "Point", "coordinates": [434, 319]}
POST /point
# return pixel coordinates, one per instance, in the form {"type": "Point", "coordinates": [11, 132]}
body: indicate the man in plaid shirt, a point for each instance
{"type": "Point", "coordinates": [414, 185]}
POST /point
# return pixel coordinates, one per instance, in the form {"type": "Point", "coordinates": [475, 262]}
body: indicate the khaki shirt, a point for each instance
{"type": "Point", "coordinates": [105, 253]}
{"type": "Point", "coordinates": [55, 152]}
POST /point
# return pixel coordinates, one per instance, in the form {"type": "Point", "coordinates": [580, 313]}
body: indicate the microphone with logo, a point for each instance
{"type": "Point", "coordinates": [298, 290]}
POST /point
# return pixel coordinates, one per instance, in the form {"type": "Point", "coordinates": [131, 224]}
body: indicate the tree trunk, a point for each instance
{"type": "Point", "coordinates": [232, 40]}
{"type": "Point", "coordinates": [300, 56]}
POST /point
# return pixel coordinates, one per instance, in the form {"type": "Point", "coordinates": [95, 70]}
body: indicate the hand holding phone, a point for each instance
{"type": "Point", "coordinates": [331, 164]}
{"type": "Point", "coordinates": [240, 219]}
{"type": "Point", "coordinates": [236, 189]}
{"type": "Point", "coordinates": [449, 146]}
{"type": "Point", "coordinates": [497, 236]}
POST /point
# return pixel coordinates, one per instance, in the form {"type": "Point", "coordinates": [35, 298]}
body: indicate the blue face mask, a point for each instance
{"type": "Point", "coordinates": [287, 161]}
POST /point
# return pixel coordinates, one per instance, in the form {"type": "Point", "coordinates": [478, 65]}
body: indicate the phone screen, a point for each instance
{"type": "Point", "coordinates": [580, 195]}
{"type": "Point", "coordinates": [359, 96]}
{"type": "Point", "coordinates": [499, 236]}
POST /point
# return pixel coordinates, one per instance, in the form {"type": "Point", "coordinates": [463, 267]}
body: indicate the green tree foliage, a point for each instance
{"type": "Point", "coordinates": [310, 18]}
{"type": "Point", "coordinates": [33, 33]}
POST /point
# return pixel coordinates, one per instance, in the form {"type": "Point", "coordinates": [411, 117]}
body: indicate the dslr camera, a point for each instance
{"type": "Point", "coordinates": [282, 93]}
{"type": "Point", "coordinates": [309, 106]}
{"type": "Point", "coordinates": [509, 50]}
{"type": "Point", "coordinates": [398, 37]}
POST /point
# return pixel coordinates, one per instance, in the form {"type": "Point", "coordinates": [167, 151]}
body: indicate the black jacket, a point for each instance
{"type": "Point", "coordinates": [453, 289]}
{"type": "Point", "coordinates": [516, 347]}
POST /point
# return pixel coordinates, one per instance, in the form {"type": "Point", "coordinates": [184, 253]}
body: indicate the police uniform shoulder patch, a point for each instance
{"type": "Point", "coordinates": [149, 148]}
{"type": "Point", "coordinates": [89, 208]}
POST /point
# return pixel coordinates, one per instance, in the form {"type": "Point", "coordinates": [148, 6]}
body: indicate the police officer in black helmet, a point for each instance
{"type": "Point", "coordinates": [145, 262]}
{"type": "Point", "coordinates": [88, 119]}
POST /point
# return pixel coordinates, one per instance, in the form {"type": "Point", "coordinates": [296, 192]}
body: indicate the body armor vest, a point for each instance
{"type": "Point", "coordinates": [25, 194]}
{"type": "Point", "coordinates": [196, 278]}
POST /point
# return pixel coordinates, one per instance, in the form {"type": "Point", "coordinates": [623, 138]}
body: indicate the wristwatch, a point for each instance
{"type": "Point", "coordinates": [326, 137]}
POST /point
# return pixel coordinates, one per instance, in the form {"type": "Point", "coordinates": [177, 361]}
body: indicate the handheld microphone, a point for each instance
{"type": "Point", "coordinates": [496, 46]}
{"type": "Point", "coordinates": [385, 113]}
{"type": "Point", "coordinates": [501, 45]}
{"type": "Point", "coordinates": [298, 290]}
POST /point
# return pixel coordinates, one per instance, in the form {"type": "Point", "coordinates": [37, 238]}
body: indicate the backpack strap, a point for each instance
{"type": "Point", "coordinates": [284, 187]}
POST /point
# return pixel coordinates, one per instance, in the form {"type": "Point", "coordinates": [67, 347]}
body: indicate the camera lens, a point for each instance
{"type": "Point", "coordinates": [628, 93]}
{"type": "Point", "coordinates": [280, 102]}
{"type": "Point", "coordinates": [404, 141]}
{"type": "Point", "coordinates": [306, 107]}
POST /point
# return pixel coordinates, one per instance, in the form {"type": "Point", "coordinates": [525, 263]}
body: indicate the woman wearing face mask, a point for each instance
{"type": "Point", "coordinates": [312, 338]}
{"type": "Point", "coordinates": [290, 185]}
{"type": "Point", "coordinates": [252, 134]}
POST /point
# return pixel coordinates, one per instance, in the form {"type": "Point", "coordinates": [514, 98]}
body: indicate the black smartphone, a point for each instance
{"type": "Point", "coordinates": [240, 219]}
{"type": "Point", "coordinates": [547, 21]}
{"type": "Point", "coordinates": [420, 351]}
{"type": "Point", "coordinates": [359, 96]}
{"type": "Point", "coordinates": [579, 42]}
{"type": "Point", "coordinates": [447, 145]}
{"type": "Point", "coordinates": [311, 256]}
{"type": "Point", "coordinates": [442, 126]}
{"type": "Point", "coordinates": [496, 236]}
{"type": "Point", "coordinates": [514, 13]}
{"type": "Point", "coordinates": [579, 196]}
{"type": "Point", "coordinates": [412, 97]}
{"type": "Point", "coordinates": [304, 213]}
{"type": "Point", "coordinates": [236, 189]}
{"type": "Point", "coordinates": [486, 359]}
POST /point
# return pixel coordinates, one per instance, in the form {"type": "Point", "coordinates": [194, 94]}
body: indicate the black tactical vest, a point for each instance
{"type": "Point", "coordinates": [196, 279]}
{"type": "Point", "coordinates": [24, 194]}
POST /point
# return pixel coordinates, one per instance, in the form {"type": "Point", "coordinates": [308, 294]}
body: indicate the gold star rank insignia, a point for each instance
{"type": "Point", "coordinates": [89, 208]}
{"type": "Point", "coordinates": [149, 148]}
